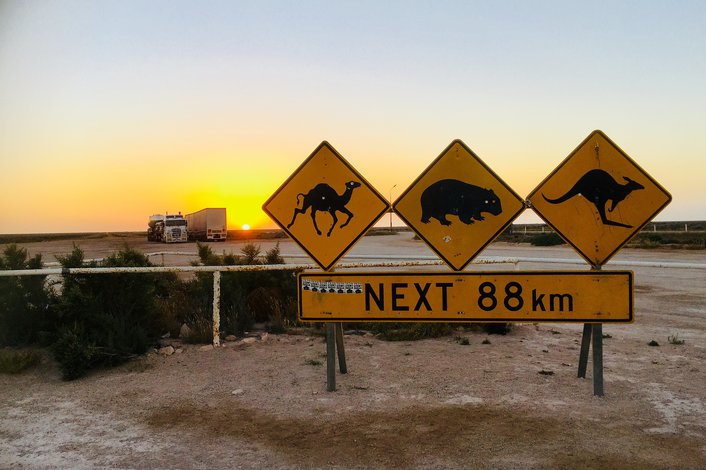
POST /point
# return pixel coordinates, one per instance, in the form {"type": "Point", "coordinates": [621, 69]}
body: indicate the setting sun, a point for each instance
{"type": "Point", "coordinates": [246, 227]}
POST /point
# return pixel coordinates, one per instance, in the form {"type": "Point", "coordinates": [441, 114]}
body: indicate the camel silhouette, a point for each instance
{"type": "Point", "coordinates": [324, 198]}
{"type": "Point", "coordinates": [598, 187]}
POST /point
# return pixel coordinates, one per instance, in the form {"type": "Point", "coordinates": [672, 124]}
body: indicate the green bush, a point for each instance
{"type": "Point", "coordinates": [546, 239]}
{"type": "Point", "coordinates": [246, 297]}
{"type": "Point", "coordinates": [105, 319]}
{"type": "Point", "coordinates": [14, 362]}
{"type": "Point", "coordinates": [24, 300]}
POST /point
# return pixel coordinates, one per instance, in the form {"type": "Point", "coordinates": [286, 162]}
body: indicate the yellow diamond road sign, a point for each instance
{"type": "Point", "coordinates": [458, 205]}
{"type": "Point", "coordinates": [325, 206]}
{"type": "Point", "coordinates": [598, 198]}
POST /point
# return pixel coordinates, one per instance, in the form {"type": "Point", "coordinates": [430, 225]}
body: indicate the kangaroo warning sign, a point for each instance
{"type": "Point", "coordinates": [598, 198]}
{"type": "Point", "coordinates": [573, 296]}
{"type": "Point", "coordinates": [458, 205]}
{"type": "Point", "coordinates": [325, 206]}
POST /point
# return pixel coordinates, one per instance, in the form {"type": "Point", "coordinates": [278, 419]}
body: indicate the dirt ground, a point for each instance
{"type": "Point", "coordinates": [513, 403]}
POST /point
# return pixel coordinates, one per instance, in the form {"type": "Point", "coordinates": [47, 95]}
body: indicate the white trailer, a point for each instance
{"type": "Point", "coordinates": [208, 224]}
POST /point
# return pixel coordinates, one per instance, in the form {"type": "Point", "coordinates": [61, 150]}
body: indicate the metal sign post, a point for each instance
{"type": "Point", "coordinates": [592, 331]}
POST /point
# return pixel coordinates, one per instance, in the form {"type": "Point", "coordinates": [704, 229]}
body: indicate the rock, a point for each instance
{"type": "Point", "coordinates": [231, 338]}
{"type": "Point", "coordinates": [248, 341]}
{"type": "Point", "coordinates": [166, 350]}
{"type": "Point", "coordinates": [207, 347]}
{"type": "Point", "coordinates": [653, 343]}
{"type": "Point", "coordinates": [179, 351]}
{"type": "Point", "coordinates": [184, 331]}
{"type": "Point", "coordinates": [265, 337]}
{"type": "Point", "coordinates": [238, 391]}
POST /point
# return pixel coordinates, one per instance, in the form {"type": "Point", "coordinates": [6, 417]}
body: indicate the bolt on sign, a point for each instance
{"type": "Point", "coordinates": [325, 206]}
{"type": "Point", "coordinates": [458, 205]}
{"type": "Point", "coordinates": [546, 296]}
{"type": "Point", "coordinates": [598, 198]}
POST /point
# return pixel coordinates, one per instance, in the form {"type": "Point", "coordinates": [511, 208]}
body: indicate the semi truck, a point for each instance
{"type": "Point", "coordinates": [167, 228]}
{"type": "Point", "coordinates": [208, 224]}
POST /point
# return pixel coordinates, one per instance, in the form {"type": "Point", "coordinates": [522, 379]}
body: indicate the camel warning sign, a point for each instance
{"type": "Point", "coordinates": [458, 205]}
{"type": "Point", "coordinates": [598, 198]}
{"type": "Point", "coordinates": [325, 206]}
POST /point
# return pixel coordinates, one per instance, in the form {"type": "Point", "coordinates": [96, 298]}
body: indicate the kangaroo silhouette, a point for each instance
{"type": "Point", "coordinates": [598, 187]}
{"type": "Point", "coordinates": [325, 199]}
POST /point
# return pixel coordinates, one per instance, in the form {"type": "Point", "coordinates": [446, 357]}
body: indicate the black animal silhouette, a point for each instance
{"type": "Point", "coordinates": [454, 197]}
{"type": "Point", "coordinates": [598, 187]}
{"type": "Point", "coordinates": [324, 198]}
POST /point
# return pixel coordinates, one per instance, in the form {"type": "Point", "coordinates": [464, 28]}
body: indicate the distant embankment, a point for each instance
{"type": "Point", "coordinates": [691, 234]}
{"type": "Point", "coordinates": [687, 234]}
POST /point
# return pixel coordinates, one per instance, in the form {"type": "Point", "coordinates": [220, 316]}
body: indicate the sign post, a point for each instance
{"type": "Point", "coordinates": [458, 205]}
{"type": "Point", "coordinates": [307, 206]}
{"type": "Point", "coordinates": [598, 198]}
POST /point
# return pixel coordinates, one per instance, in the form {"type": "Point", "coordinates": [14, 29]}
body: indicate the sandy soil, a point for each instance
{"type": "Point", "coordinates": [513, 403]}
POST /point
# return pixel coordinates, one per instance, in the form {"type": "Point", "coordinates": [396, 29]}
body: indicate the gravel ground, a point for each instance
{"type": "Point", "coordinates": [513, 403]}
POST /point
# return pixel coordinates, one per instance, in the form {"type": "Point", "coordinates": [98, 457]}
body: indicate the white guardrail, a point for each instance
{"type": "Point", "coordinates": [394, 262]}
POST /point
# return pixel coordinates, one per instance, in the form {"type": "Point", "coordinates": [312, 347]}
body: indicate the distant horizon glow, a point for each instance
{"type": "Point", "coordinates": [216, 104]}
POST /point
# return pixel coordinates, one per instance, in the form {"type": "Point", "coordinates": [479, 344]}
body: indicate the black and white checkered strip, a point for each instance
{"type": "Point", "coordinates": [328, 287]}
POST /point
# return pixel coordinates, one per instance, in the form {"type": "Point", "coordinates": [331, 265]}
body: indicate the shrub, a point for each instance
{"type": "Point", "coordinates": [546, 239]}
{"type": "Point", "coordinates": [246, 297]}
{"type": "Point", "coordinates": [14, 362]}
{"type": "Point", "coordinates": [24, 300]}
{"type": "Point", "coordinates": [105, 319]}
{"type": "Point", "coordinates": [408, 331]}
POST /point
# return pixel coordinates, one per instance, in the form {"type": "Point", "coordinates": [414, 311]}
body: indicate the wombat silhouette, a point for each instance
{"type": "Point", "coordinates": [598, 187]}
{"type": "Point", "coordinates": [454, 197]}
{"type": "Point", "coordinates": [325, 199]}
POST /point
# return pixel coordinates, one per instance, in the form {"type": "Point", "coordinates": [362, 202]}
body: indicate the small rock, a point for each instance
{"type": "Point", "coordinates": [653, 343]}
{"type": "Point", "coordinates": [166, 351]}
{"type": "Point", "coordinates": [265, 337]}
{"type": "Point", "coordinates": [207, 347]}
{"type": "Point", "coordinates": [546, 372]}
{"type": "Point", "coordinates": [179, 351]}
{"type": "Point", "coordinates": [238, 391]}
{"type": "Point", "coordinates": [231, 338]}
{"type": "Point", "coordinates": [248, 341]}
{"type": "Point", "coordinates": [184, 331]}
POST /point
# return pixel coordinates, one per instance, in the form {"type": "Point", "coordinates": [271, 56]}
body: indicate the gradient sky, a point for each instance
{"type": "Point", "coordinates": [114, 110]}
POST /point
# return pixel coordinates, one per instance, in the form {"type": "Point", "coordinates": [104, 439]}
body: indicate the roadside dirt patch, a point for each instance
{"type": "Point", "coordinates": [509, 401]}
{"type": "Point", "coordinates": [471, 435]}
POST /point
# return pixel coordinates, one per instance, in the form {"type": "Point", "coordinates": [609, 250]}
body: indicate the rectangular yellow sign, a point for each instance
{"type": "Point", "coordinates": [558, 296]}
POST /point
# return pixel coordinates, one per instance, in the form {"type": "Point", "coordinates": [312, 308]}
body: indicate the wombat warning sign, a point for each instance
{"type": "Point", "coordinates": [458, 205]}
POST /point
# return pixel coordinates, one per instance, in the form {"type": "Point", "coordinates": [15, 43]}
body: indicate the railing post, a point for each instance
{"type": "Point", "coordinates": [216, 308]}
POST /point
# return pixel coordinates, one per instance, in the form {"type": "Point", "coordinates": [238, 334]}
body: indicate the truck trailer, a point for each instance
{"type": "Point", "coordinates": [208, 225]}
{"type": "Point", "coordinates": [167, 228]}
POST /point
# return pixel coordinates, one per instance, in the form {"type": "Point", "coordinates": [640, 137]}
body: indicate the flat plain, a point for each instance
{"type": "Point", "coordinates": [511, 401]}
